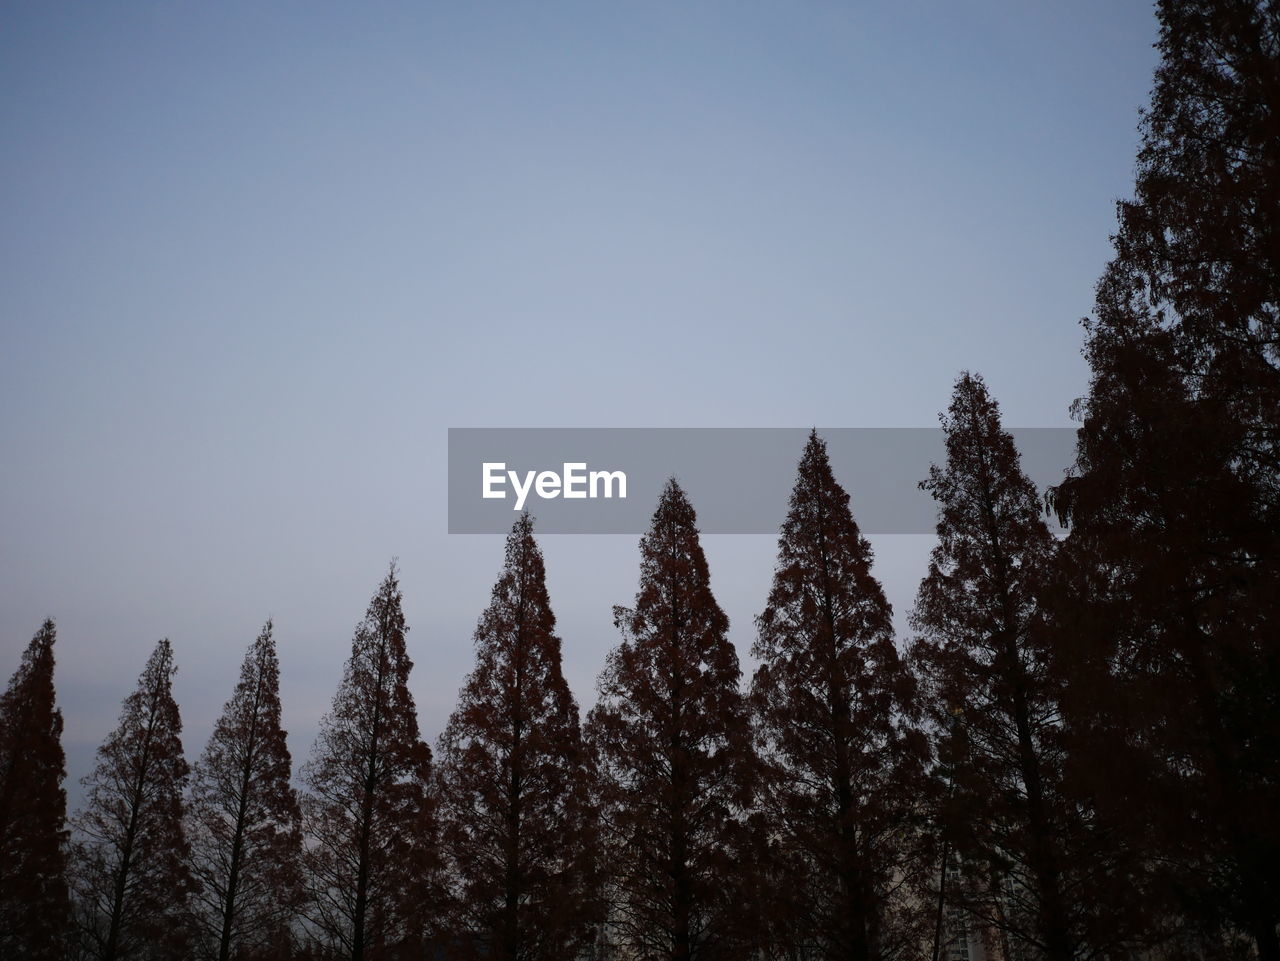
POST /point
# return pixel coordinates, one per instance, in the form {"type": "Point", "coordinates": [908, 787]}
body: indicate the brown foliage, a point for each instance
{"type": "Point", "coordinates": [1171, 575]}
{"type": "Point", "coordinates": [369, 816]}
{"type": "Point", "coordinates": [670, 732]}
{"type": "Point", "coordinates": [33, 805]}
{"type": "Point", "coordinates": [1200, 242]}
{"type": "Point", "coordinates": [843, 766]}
{"type": "Point", "coordinates": [1166, 601]}
{"type": "Point", "coordinates": [518, 828]}
{"type": "Point", "coordinates": [244, 824]}
{"type": "Point", "coordinates": [1031, 869]}
{"type": "Point", "coordinates": [129, 875]}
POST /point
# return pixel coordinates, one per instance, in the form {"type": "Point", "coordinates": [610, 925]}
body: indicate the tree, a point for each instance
{"type": "Point", "coordinates": [1166, 595]}
{"type": "Point", "coordinates": [518, 827]}
{"type": "Point", "coordinates": [369, 815]}
{"type": "Point", "coordinates": [1158, 633]}
{"type": "Point", "coordinates": [832, 703]}
{"type": "Point", "coordinates": [33, 805]}
{"type": "Point", "coordinates": [1170, 580]}
{"type": "Point", "coordinates": [129, 874]}
{"type": "Point", "coordinates": [1200, 242]}
{"type": "Point", "coordinates": [670, 732]}
{"type": "Point", "coordinates": [244, 823]}
{"type": "Point", "coordinates": [993, 697]}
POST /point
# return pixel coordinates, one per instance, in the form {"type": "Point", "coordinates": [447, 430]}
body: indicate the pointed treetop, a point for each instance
{"type": "Point", "coordinates": [673, 566]}
{"type": "Point", "coordinates": [384, 611]}
{"type": "Point", "coordinates": [982, 483]}
{"type": "Point", "coordinates": [820, 533]}
{"type": "Point", "coordinates": [33, 894]}
{"type": "Point", "coordinates": [523, 567]}
{"type": "Point", "coordinates": [243, 820]}
{"type": "Point", "coordinates": [512, 782]}
{"type": "Point", "coordinates": [130, 859]}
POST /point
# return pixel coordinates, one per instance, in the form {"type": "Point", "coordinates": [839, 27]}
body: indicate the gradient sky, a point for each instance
{"type": "Point", "coordinates": [256, 258]}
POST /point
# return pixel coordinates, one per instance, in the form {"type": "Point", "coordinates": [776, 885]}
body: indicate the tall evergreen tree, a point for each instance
{"type": "Point", "coordinates": [1200, 242]}
{"type": "Point", "coordinates": [1170, 584]}
{"type": "Point", "coordinates": [33, 806]}
{"type": "Point", "coordinates": [129, 875]}
{"type": "Point", "coordinates": [844, 766]}
{"type": "Point", "coordinates": [244, 824]}
{"type": "Point", "coordinates": [993, 698]}
{"type": "Point", "coordinates": [1138, 586]}
{"type": "Point", "coordinates": [369, 814]}
{"type": "Point", "coordinates": [518, 827]}
{"type": "Point", "coordinates": [670, 732]}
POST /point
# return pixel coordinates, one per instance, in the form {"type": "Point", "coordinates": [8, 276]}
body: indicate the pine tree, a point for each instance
{"type": "Point", "coordinates": [1150, 513]}
{"type": "Point", "coordinates": [1165, 599]}
{"type": "Point", "coordinates": [1170, 583]}
{"type": "Point", "coordinates": [244, 824]}
{"type": "Point", "coordinates": [33, 805]}
{"type": "Point", "coordinates": [129, 876]}
{"type": "Point", "coordinates": [517, 821]}
{"type": "Point", "coordinates": [1200, 241]}
{"type": "Point", "coordinates": [369, 815]}
{"type": "Point", "coordinates": [670, 732]}
{"type": "Point", "coordinates": [990, 694]}
{"type": "Point", "coordinates": [844, 766]}
{"type": "Point", "coordinates": [991, 691]}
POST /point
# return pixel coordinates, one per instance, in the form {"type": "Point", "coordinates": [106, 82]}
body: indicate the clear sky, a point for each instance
{"type": "Point", "coordinates": [256, 258]}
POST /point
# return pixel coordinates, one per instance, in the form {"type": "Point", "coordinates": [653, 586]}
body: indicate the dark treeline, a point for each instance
{"type": "Point", "coordinates": [1075, 756]}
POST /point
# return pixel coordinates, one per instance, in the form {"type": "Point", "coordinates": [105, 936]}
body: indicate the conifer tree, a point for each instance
{"type": "Point", "coordinates": [833, 704]}
{"type": "Point", "coordinates": [670, 732]}
{"type": "Point", "coordinates": [1170, 581]}
{"type": "Point", "coordinates": [369, 816]}
{"type": "Point", "coordinates": [1165, 597]}
{"type": "Point", "coordinates": [518, 827]}
{"type": "Point", "coordinates": [1153, 511]}
{"type": "Point", "coordinates": [244, 824]}
{"type": "Point", "coordinates": [1200, 241]}
{"type": "Point", "coordinates": [129, 874]}
{"type": "Point", "coordinates": [988, 690]}
{"type": "Point", "coordinates": [33, 806]}
{"type": "Point", "coordinates": [993, 697]}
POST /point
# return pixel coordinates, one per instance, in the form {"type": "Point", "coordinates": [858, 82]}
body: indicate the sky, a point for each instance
{"type": "Point", "coordinates": [256, 259]}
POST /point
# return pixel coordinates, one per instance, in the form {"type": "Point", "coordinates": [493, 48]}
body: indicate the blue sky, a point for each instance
{"type": "Point", "coordinates": [255, 259]}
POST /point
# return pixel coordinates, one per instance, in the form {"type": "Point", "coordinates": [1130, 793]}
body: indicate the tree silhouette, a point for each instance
{"type": "Point", "coordinates": [843, 767]}
{"type": "Point", "coordinates": [244, 824]}
{"type": "Point", "coordinates": [369, 814]}
{"type": "Point", "coordinates": [129, 876]}
{"type": "Point", "coordinates": [1199, 242]}
{"type": "Point", "coordinates": [1168, 646]}
{"type": "Point", "coordinates": [33, 806]}
{"type": "Point", "coordinates": [518, 827]}
{"type": "Point", "coordinates": [1170, 577]}
{"type": "Point", "coordinates": [670, 732]}
{"type": "Point", "coordinates": [1031, 872]}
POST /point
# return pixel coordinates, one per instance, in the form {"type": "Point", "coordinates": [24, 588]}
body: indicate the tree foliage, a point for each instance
{"type": "Point", "coordinates": [670, 732]}
{"type": "Point", "coordinates": [244, 824]}
{"type": "Point", "coordinates": [518, 826]}
{"type": "Point", "coordinates": [369, 814]}
{"type": "Point", "coordinates": [33, 807]}
{"type": "Point", "coordinates": [1198, 247]}
{"type": "Point", "coordinates": [1032, 869]}
{"type": "Point", "coordinates": [1170, 582]}
{"type": "Point", "coordinates": [843, 766]}
{"type": "Point", "coordinates": [129, 874]}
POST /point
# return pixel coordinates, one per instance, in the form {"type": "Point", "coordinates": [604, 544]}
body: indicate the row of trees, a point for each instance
{"type": "Point", "coordinates": [850, 803]}
{"type": "Point", "coordinates": [692, 820]}
{"type": "Point", "coordinates": [1075, 756]}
